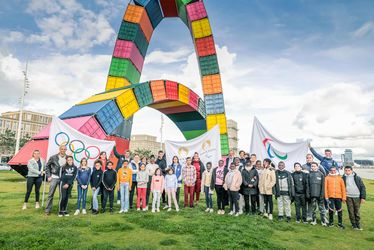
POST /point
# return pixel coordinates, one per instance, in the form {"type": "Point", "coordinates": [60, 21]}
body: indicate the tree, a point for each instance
{"type": "Point", "coordinates": [8, 141]}
{"type": "Point", "coordinates": [143, 152]}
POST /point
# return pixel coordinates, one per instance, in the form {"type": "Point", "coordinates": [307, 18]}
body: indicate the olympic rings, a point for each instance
{"type": "Point", "coordinates": [64, 142]}
{"type": "Point", "coordinates": [77, 149]}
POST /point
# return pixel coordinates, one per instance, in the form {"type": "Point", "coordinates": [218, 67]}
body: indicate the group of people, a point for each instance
{"type": "Point", "coordinates": [244, 183]}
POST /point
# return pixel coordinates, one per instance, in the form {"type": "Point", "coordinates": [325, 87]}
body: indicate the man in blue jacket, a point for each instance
{"type": "Point", "coordinates": [326, 161]}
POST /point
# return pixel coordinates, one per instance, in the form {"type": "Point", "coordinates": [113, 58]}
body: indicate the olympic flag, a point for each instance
{"type": "Point", "coordinates": [78, 145]}
{"type": "Point", "coordinates": [265, 145]}
{"type": "Point", "coordinates": [208, 145]}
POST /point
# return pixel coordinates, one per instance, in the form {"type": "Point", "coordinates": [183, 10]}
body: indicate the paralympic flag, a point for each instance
{"type": "Point", "coordinates": [78, 145]}
{"type": "Point", "coordinates": [265, 145]}
{"type": "Point", "coordinates": [208, 145]}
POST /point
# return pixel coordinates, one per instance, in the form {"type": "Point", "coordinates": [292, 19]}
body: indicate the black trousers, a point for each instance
{"type": "Point", "coordinates": [268, 200]}
{"type": "Point", "coordinates": [31, 181]}
{"type": "Point", "coordinates": [234, 200]}
{"type": "Point", "coordinates": [253, 199]}
{"type": "Point", "coordinates": [64, 199]}
{"type": "Point", "coordinates": [220, 197]}
{"type": "Point", "coordinates": [300, 205]}
{"type": "Point", "coordinates": [132, 192]}
{"type": "Point", "coordinates": [147, 194]}
{"type": "Point", "coordinates": [177, 194]}
{"type": "Point", "coordinates": [335, 204]}
{"type": "Point", "coordinates": [110, 194]}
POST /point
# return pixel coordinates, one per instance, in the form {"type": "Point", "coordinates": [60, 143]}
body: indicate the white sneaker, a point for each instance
{"type": "Point", "coordinates": [138, 209]}
{"type": "Point", "coordinates": [146, 208]}
{"type": "Point", "coordinates": [67, 215]}
{"type": "Point", "coordinates": [211, 210]}
{"type": "Point", "coordinates": [125, 211]}
{"type": "Point", "coordinates": [219, 212]}
{"type": "Point", "coordinates": [84, 211]}
{"type": "Point", "coordinates": [60, 215]}
{"type": "Point", "coordinates": [37, 206]}
{"type": "Point", "coordinates": [266, 215]}
{"type": "Point", "coordinates": [177, 209]}
{"type": "Point", "coordinates": [158, 210]}
{"type": "Point", "coordinates": [313, 223]}
{"type": "Point", "coordinates": [76, 212]}
{"type": "Point", "coordinates": [120, 211]}
{"type": "Point", "coordinates": [169, 209]}
{"type": "Point", "coordinates": [24, 206]}
{"type": "Point", "coordinates": [240, 212]}
{"type": "Point", "coordinates": [166, 207]}
{"type": "Point", "coordinates": [231, 213]}
{"type": "Point", "coordinates": [222, 211]}
{"type": "Point", "coordinates": [270, 217]}
{"type": "Point", "coordinates": [237, 214]}
{"type": "Point", "coordinates": [324, 224]}
{"type": "Point", "coordinates": [153, 211]}
{"type": "Point", "coordinates": [118, 202]}
{"type": "Point", "coordinates": [207, 210]}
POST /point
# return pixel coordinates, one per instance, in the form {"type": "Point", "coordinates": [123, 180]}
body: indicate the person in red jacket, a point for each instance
{"type": "Point", "coordinates": [199, 167]}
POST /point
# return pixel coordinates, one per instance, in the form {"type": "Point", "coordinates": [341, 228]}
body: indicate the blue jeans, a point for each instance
{"type": "Point", "coordinates": [82, 196]}
{"type": "Point", "coordinates": [208, 197]}
{"type": "Point", "coordinates": [95, 202]}
{"type": "Point", "coordinates": [124, 190]}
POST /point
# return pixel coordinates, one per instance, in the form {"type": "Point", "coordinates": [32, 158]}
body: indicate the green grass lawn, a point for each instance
{"type": "Point", "coordinates": [188, 229]}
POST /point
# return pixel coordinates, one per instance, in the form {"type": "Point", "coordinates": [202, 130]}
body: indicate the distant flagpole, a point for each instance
{"type": "Point", "coordinates": [161, 130]}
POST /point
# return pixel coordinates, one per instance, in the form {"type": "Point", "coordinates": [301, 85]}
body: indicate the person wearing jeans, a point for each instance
{"type": "Point", "coordinates": [109, 183]}
{"type": "Point", "coordinates": [189, 178]}
{"type": "Point", "coordinates": [134, 165]}
{"type": "Point", "coordinates": [157, 187]}
{"type": "Point", "coordinates": [177, 168]}
{"type": "Point", "coordinates": [205, 185]}
{"type": "Point", "coordinates": [218, 179]}
{"type": "Point", "coordinates": [171, 184]}
{"type": "Point", "coordinates": [249, 187]}
{"type": "Point", "coordinates": [35, 168]}
{"type": "Point", "coordinates": [266, 184]}
{"type": "Point", "coordinates": [83, 179]}
{"type": "Point", "coordinates": [142, 179]}
{"type": "Point", "coordinates": [68, 173]}
{"type": "Point", "coordinates": [233, 182]}
{"type": "Point", "coordinates": [124, 183]}
{"type": "Point", "coordinates": [284, 191]}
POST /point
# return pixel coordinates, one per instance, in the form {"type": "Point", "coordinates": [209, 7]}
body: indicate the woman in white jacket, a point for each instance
{"type": "Point", "coordinates": [35, 168]}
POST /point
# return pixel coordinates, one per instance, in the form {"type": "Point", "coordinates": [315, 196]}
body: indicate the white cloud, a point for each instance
{"type": "Point", "coordinates": [364, 30]}
{"type": "Point", "coordinates": [166, 57]}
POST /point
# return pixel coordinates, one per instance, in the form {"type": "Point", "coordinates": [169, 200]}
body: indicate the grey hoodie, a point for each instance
{"type": "Point", "coordinates": [142, 179]}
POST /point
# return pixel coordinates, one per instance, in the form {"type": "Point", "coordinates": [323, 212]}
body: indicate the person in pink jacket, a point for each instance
{"type": "Point", "coordinates": [157, 187]}
{"type": "Point", "coordinates": [233, 181]}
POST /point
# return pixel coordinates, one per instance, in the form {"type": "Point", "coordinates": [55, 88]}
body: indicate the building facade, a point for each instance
{"type": "Point", "coordinates": [145, 142]}
{"type": "Point", "coordinates": [32, 122]}
{"type": "Point", "coordinates": [232, 132]}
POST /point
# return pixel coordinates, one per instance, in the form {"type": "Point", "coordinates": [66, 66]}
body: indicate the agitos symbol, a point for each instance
{"type": "Point", "coordinates": [270, 149]}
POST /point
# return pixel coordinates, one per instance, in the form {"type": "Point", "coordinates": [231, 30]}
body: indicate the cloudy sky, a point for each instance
{"type": "Point", "coordinates": [303, 67]}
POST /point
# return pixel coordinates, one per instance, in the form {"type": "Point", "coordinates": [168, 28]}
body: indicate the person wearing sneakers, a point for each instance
{"type": "Point", "coordinates": [96, 178]}
{"type": "Point", "coordinates": [199, 167]}
{"type": "Point", "coordinates": [171, 185]}
{"type": "Point", "coordinates": [316, 180]}
{"type": "Point", "coordinates": [135, 164]}
{"type": "Point", "coordinates": [142, 179]}
{"type": "Point", "coordinates": [109, 183]}
{"type": "Point", "coordinates": [205, 186]}
{"type": "Point", "coordinates": [356, 195]}
{"type": "Point", "coordinates": [189, 179]}
{"type": "Point", "coordinates": [68, 173]}
{"type": "Point", "coordinates": [335, 194]}
{"type": "Point", "coordinates": [266, 184]}
{"type": "Point", "coordinates": [177, 167]}
{"type": "Point", "coordinates": [284, 191]}
{"type": "Point", "coordinates": [124, 183]}
{"type": "Point", "coordinates": [150, 168]}
{"type": "Point", "coordinates": [249, 187]}
{"type": "Point", "coordinates": [233, 182]}
{"type": "Point", "coordinates": [35, 168]}
{"type": "Point", "coordinates": [83, 179]}
{"type": "Point", "coordinates": [218, 179]}
{"type": "Point", "coordinates": [157, 188]}
{"type": "Point", "coordinates": [300, 180]}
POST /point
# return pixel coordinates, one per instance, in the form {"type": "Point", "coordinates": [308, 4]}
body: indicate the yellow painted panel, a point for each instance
{"type": "Point", "coordinates": [201, 28]}
{"type": "Point", "coordinates": [212, 120]}
{"type": "Point", "coordinates": [184, 92]}
{"type": "Point", "coordinates": [116, 82]}
{"type": "Point", "coordinates": [169, 104]}
{"type": "Point", "coordinates": [130, 108]}
{"type": "Point", "coordinates": [103, 97]}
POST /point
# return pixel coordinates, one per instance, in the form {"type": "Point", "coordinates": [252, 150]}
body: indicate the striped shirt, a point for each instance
{"type": "Point", "coordinates": [189, 175]}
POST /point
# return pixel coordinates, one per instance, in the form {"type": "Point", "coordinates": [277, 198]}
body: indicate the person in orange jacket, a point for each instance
{"type": "Point", "coordinates": [335, 194]}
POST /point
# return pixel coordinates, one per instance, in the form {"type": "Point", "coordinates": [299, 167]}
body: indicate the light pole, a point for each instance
{"type": "Point", "coordinates": [26, 86]}
{"type": "Point", "coordinates": [161, 130]}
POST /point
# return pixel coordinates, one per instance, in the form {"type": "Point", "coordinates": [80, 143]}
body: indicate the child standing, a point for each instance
{"type": "Point", "coordinates": [68, 172]}
{"type": "Point", "coordinates": [177, 167]}
{"type": "Point", "coordinates": [233, 182]}
{"type": "Point", "coordinates": [157, 187]}
{"type": "Point", "coordinates": [83, 179]}
{"type": "Point", "coordinates": [96, 179]}
{"type": "Point", "coordinates": [266, 184]}
{"type": "Point", "coordinates": [218, 179]}
{"type": "Point", "coordinates": [284, 191]}
{"type": "Point", "coordinates": [124, 183]}
{"type": "Point", "coordinates": [356, 195]}
{"type": "Point", "coordinates": [142, 179]}
{"type": "Point", "coordinates": [109, 183]}
{"type": "Point", "coordinates": [205, 185]}
{"type": "Point", "coordinates": [335, 193]}
{"type": "Point", "coordinates": [316, 189]}
{"type": "Point", "coordinates": [189, 178]}
{"type": "Point", "coordinates": [171, 185]}
{"type": "Point", "coordinates": [302, 193]}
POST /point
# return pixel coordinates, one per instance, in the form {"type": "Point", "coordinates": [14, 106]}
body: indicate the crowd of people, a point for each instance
{"type": "Point", "coordinates": [244, 183]}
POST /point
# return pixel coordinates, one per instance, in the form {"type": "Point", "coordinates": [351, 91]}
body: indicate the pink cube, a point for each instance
{"type": "Point", "coordinates": [128, 49]}
{"type": "Point", "coordinates": [194, 100]}
{"type": "Point", "coordinates": [196, 11]}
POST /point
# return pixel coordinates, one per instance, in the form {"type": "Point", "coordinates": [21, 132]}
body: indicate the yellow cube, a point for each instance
{"type": "Point", "coordinates": [116, 82]}
{"type": "Point", "coordinates": [212, 120]}
{"type": "Point", "coordinates": [201, 28]}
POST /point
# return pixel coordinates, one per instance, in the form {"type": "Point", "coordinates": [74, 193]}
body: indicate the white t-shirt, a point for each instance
{"type": "Point", "coordinates": [151, 168]}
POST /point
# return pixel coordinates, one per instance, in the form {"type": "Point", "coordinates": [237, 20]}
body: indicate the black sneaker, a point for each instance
{"type": "Point", "coordinates": [103, 210]}
{"type": "Point", "coordinates": [341, 226]}
{"type": "Point", "coordinates": [280, 218]}
{"type": "Point", "coordinates": [111, 211]}
{"type": "Point", "coordinates": [288, 219]}
{"type": "Point", "coordinates": [331, 224]}
{"type": "Point", "coordinates": [66, 214]}
{"type": "Point", "coordinates": [298, 221]}
{"type": "Point", "coordinates": [305, 222]}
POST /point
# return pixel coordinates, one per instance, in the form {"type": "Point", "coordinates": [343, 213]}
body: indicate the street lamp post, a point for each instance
{"type": "Point", "coordinates": [26, 86]}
